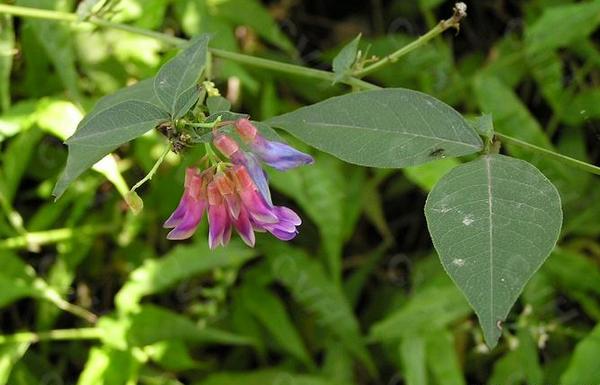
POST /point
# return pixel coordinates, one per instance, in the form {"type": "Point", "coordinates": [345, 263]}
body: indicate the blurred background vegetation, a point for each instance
{"type": "Point", "coordinates": [92, 294]}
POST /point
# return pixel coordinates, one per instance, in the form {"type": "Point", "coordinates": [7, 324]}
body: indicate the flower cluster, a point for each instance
{"type": "Point", "coordinates": [236, 194]}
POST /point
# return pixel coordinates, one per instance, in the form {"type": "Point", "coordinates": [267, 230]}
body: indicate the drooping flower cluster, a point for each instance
{"type": "Point", "coordinates": [236, 195]}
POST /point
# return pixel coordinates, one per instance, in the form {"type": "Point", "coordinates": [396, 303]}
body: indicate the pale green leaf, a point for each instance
{"type": "Point", "coordinates": [217, 104]}
{"type": "Point", "coordinates": [109, 366]}
{"type": "Point", "coordinates": [493, 222]}
{"type": "Point", "coordinates": [176, 81]}
{"type": "Point", "coordinates": [10, 353]}
{"type": "Point", "coordinates": [412, 356]}
{"type": "Point", "coordinates": [343, 61]}
{"type": "Point", "coordinates": [382, 128]}
{"type": "Point", "coordinates": [443, 359]}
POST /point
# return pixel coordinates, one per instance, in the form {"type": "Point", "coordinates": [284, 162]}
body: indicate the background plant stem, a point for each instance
{"type": "Point", "coordinates": [292, 69]}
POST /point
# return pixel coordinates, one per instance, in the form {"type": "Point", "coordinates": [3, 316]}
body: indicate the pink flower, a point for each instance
{"type": "Point", "coordinates": [188, 213]}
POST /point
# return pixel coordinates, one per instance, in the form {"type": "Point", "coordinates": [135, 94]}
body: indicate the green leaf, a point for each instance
{"type": "Point", "coordinates": [520, 365]}
{"type": "Point", "coordinates": [561, 25]}
{"type": "Point", "coordinates": [427, 175]}
{"type": "Point", "coordinates": [142, 91]}
{"type": "Point", "coordinates": [309, 285]}
{"type": "Point", "coordinates": [383, 128]}
{"type": "Point", "coordinates": [7, 46]}
{"type": "Point", "coordinates": [104, 132]}
{"type": "Point", "coordinates": [146, 326]}
{"type": "Point", "coordinates": [176, 82]}
{"type": "Point", "coordinates": [583, 367]}
{"type": "Point", "coordinates": [430, 309]}
{"type": "Point", "coordinates": [184, 262]}
{"type": "Point", "coordinates": [493, 222]}
{"type": "Point", "coordinates": [262, 377]}
{"type": "Point", "coordinates": [412, 356]}
{"type": "Point", "coordinates": [56, 39]}
{"type": "Point", "coordinates": [343, 61]}
{"type": "Point", "coordinates": [442, 358]}
{"type": "Point", "coordinates": [217, 104]}
{"type": "Point", "coordinates": [109, 366]}
{"type": "Point", "coordinates": [484, 125]}
{"type": "Point", "coordinates": [271, 313]}
{"type": "Point", "coordinates": [10, 353]}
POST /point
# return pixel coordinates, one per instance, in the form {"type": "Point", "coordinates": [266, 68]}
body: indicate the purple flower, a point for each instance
{"type": "Point", "coordinates": [276, 154]}
{"type": "Point", "coordinates": [188, 213]}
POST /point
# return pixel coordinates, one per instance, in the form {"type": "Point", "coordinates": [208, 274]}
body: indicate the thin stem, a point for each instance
{"type": "Point", "coordinates": [453, 22]}
{"type": "Point", "coordinates": [291, 69]}
{"type": "Point", "coordinates": [572, 161]}
{"type": "Point", "coordinates": [52, 335]}
{"type": "Point", "coordinates": [153, 170]}
{"type": "Point", "coordinates": [32, 240]}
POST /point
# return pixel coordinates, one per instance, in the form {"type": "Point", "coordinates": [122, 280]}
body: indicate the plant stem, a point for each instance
{"type": "Point", "coordinates": [51, 236]}
{"type": "Point", "coordinates": [154, 168]}
{"type": "Point", "coordinates": [572, 161]}
{"type": "Point", "coordinates": [54, 335]}
{"type": "Point", "coordinates": [291, 69]}
{"type": "Point", "coordinates": [453, 22]}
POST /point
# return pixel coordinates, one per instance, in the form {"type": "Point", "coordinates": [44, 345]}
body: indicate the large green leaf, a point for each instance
{"type": "Point", "coordinates": [383, 128]}
{"type": "Point", "coordinates": [104, 132]}
{"type": "Point", "coordinates": [493, 222]}
{"type": "Point", "coordinates": [175, 85]}
{"type": "Point", "coordinates": [262, 377]}
{"type": "Point", "coordinates": [106, 365]}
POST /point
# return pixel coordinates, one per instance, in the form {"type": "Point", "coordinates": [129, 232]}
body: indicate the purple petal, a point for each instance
{"type": "Point", "coordinates": [279, 155]}
{"type": "Point", "coordinates": [186, 227]}
{"type": "Point", "coordinates": [218, 221]}
{"type": "Point", "coordinates": [244, 228]}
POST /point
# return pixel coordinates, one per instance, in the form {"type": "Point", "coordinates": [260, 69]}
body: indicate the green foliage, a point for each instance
{"type": "Point", "coordinates": [92, 293]}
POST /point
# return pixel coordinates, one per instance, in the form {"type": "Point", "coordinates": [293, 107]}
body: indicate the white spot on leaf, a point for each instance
{"type": "Point", "coordinates": [468, 219]}
{"type": "Point", "coordinates": [458, 262]}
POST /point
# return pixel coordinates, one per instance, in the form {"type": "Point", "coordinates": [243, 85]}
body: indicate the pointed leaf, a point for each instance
{"type": "Point", "coordinates": [343, 61]}
{"type": "Point", "coordinates": [104, 132]}
{"type": "Point", "coordinates": [493, 222]}
{"type": "Point", "coordinates": [179, 75]}
{"type": "Point", "coordinates": [384, 128]}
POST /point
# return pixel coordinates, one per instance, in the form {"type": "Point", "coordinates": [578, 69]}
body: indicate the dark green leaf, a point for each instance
{"type": "Point", "coordinates": [176, 80]}
{"type": "Point", "coordinates": [493, 222]}
{"type": "Point", "coordinates": [103, 133]}
{"type": "Point", "coordinates": [217, 104]}
{"type": "Point", "coordinates": [382, 128]}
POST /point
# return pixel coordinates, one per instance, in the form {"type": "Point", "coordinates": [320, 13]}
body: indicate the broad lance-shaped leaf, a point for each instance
{"type": "Point", "coordinates": [392, 127]}
{"type": "Point", "coordinates": [103, 133]}
{"type": "Point", "coordinates": [175, 85]}
{"type": "Point", "coordinates": [493, 222]}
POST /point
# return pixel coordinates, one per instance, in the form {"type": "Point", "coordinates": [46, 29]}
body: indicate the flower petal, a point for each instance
{"type": "Point", "coordinates": [279, 155]}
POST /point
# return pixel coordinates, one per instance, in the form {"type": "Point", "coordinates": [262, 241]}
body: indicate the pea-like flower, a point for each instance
{"type": "Point", "coordinates": [276, 154]}
{"type": "Point", "coordinates": [236, 195]}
